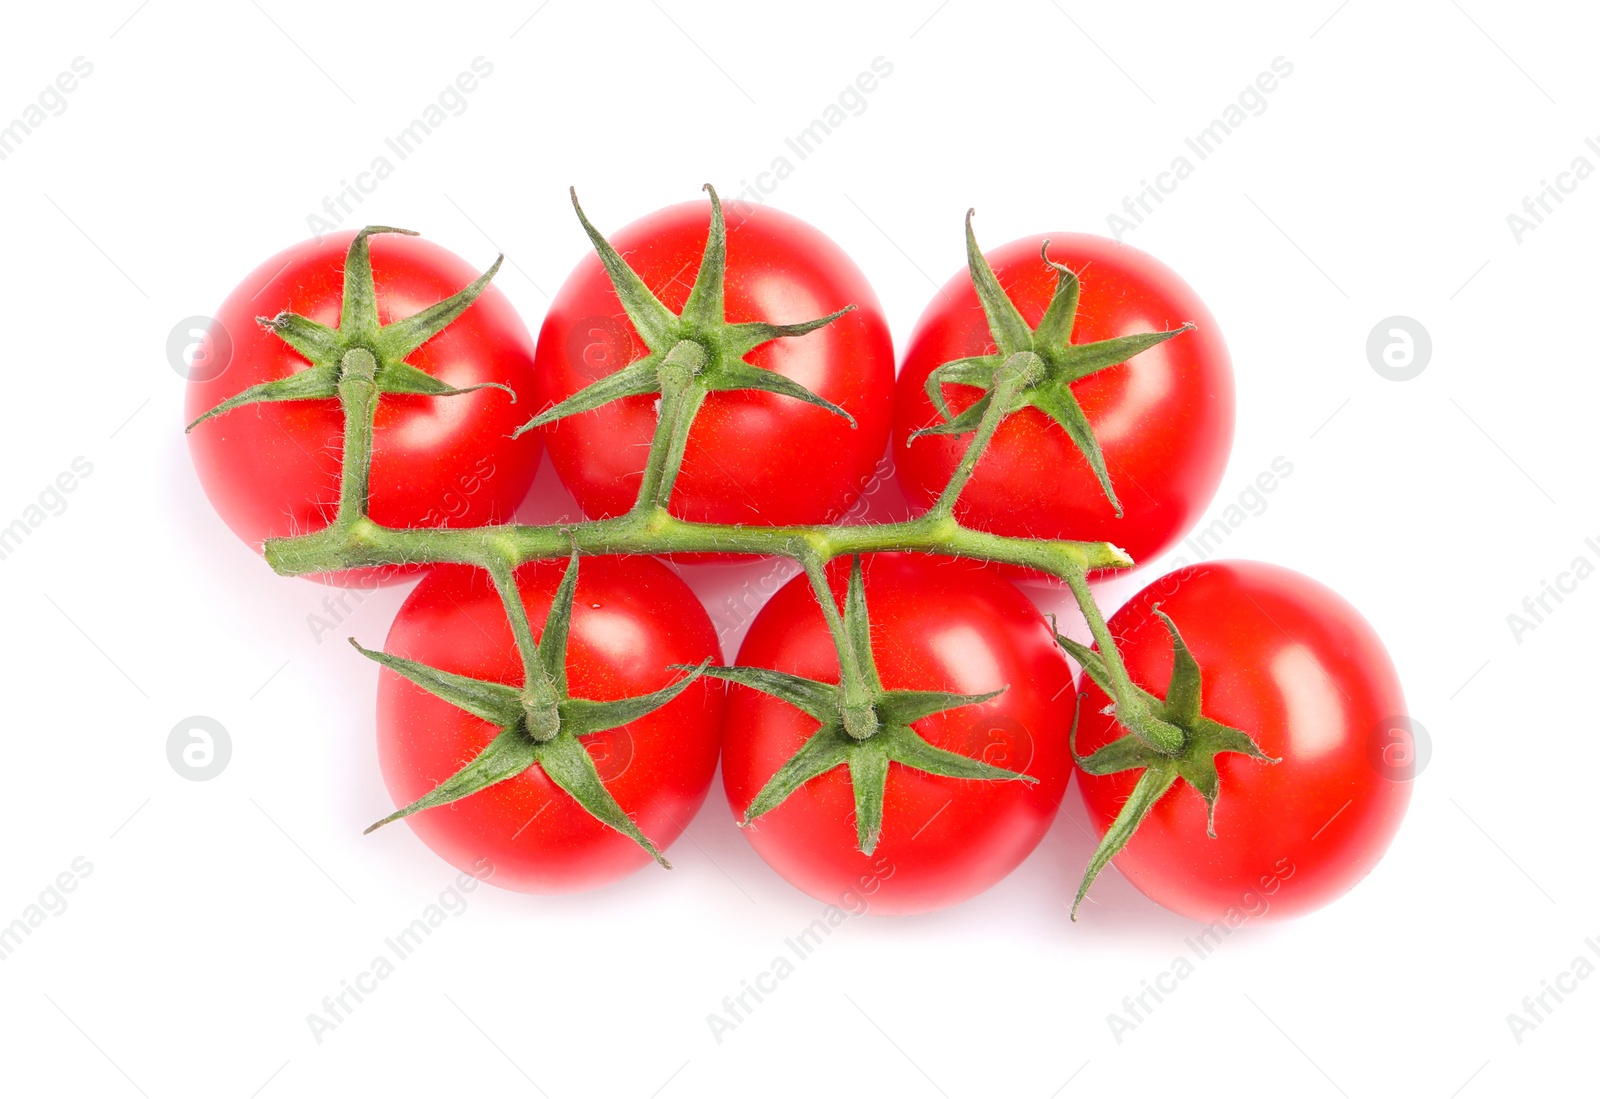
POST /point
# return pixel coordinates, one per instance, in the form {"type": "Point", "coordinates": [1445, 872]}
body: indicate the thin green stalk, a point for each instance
{"type": "Point", "coordinates": [815, 572]}
{"type": "Point", "coordinates": [1131, 709]}
{"type": "Point", "coordinates": [855, 693]}
{"type": "Point", "coordinates": [681, 398]}
{"type": "Point", "coordinates": [358, 394]}
{"type": "Point", "coordinates": [1017, 373]}
{"type": "Point", "coordinates": [540, 700]}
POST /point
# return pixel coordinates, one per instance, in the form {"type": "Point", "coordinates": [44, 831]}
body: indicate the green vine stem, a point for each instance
{"type": "Point", "coordinates": [650, 529]}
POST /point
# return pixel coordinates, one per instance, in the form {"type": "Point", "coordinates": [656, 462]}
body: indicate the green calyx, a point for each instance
{"type": "Point", "coordinates": [361, 358]}
{"type": "Point", "coordinates": [1194, 760]}
{"type": "Point", "coordinates": [696, 350]}
{"type": "Point", "coordinates": [862, 725]}
{"type": "Point", "coordinates": [540, 723]}
{"type": "Point", "coordinates": [1060, 362]}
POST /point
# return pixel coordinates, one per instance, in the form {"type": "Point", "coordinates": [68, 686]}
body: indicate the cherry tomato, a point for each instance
{"type": "Point", "coordinates": [752, 457]}
{"type": "Point", "coordinates": [1291, 663]}
{"type": "Point", "coordinates": [272, 469]}
{"type": "Point", "coordinates": [1164, 419]}
{"type": "Point", "coordinates": [935, 625]}
{"type": "Point", "coordinates": [632, 617]}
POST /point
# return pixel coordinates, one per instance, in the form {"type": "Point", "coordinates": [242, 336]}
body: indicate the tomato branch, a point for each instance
{"type": "Point", "coordinates": [691, 355]}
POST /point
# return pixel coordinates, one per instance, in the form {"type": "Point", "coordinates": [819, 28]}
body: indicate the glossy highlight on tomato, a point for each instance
{"type": "Point", "coordinates": [272, 470]}
{"type": "Point", "coordinates": [935, 625]}
{"type": "Point", "coordinates": [1164, 419]}
{"type": "Point", "coordinates": [1291, 663]}
{"type": "Point", "coordinates": [752, 457]}
{"type": "Point", "coordinates": [632, 618]}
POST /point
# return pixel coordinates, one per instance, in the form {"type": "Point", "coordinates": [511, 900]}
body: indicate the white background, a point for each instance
{"type": "Point", "coordinates": [1377, 182]}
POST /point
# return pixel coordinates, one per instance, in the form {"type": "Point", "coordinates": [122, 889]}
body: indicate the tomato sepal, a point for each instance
{"type": "Point", "coordinates": [1062, 362]}
{"type": "Point", "coordinates": [634, 380]}
{"type": "Point", "coordinates": [742, 375]}
{"type": "Point", "coordinates": [700, 335]}
{"type": "Point", "coordinates": [316, 343]}
{"type": "Point", "coordinates": [964, 423]}
{"type": "Point", "coordinates": [400, 338]}
{"type": "Point", "coordinates": [541, 723]}
{"type": "Point", "coordinates": [496, 703]}
{"type": "Point", "coordinates": [312, 384]}
{"type": "Point", "coordinates": [399, 377]}
{"type": "Point", "coordinates": [1194, 760]}
{"type": "Point", "coordinates": [509, 754]}
{"type": "Point", "coordinates": [977, 371]}
{"type": "Point", "coordinates": [862, 725]}
{"type": "Point", "coordinates": [333, 354]}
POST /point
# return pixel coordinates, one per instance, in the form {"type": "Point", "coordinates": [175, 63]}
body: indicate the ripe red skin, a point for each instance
{"type": "Point", "coordinates": [752, 457]}
{"type": "Point", "coordinates": [1290, 662]}
{"type": "Point", "coordinates": [272, 470]}
{"type": "Point", "coordinates": [1164, 419]}
{"type": "Point", "coordinates": [936, 625]}
{"type": "Point", "coordinates": [632, 617]}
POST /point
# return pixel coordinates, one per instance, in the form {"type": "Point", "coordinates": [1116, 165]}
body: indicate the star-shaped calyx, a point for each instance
{"type": "Point", "coordinates": [1194, 761]}
{"type": "Point", "coordinates": [697, 349]}
{"type": "Point", "coordinates": [1048, 365]}
{"type": "Point", "coordinates": [862, 725]}
{"type": "Point", "coordinates": [361, 348]}
{"type": "Point", "coordinates": [540, 723]}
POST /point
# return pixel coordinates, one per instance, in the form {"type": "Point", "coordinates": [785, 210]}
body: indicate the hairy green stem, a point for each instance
{"type": "Point", "coordinates": [355, 541]}
{"type": "Point", "coordinates": [1131, 708]}
{"type": "Point", "coordinates": [364, 543]}
{"type": "Point", "coordinates": [539, 699]}
{"type": "Point", "coordinates": [855, 694]}
{"type": "Point", "coordinates": [681, 398]}
{"type": "Point", "coordinates": [358, 394]}
{"type": "Point", "coordinates": [815, 572]}
{"type": "Point", "coordinates": [1017, 373]}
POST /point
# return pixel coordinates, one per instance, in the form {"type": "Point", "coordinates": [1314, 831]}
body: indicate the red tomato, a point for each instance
{"type": "Point", "coordinates": [936, 625]}
{"type": "Point", "coordinates": [752, 457]}
{"type": "Point", "coordinates": [1291, 663]}
{"type": "Point", "coordinates": [272, 470]}
{"type": "Point", "coordinates": [1164, 419]}
{"type": "Point", "coordinates": [632, 617]}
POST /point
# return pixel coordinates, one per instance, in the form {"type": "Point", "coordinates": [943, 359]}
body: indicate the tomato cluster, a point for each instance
{"type": "Point", "coordinates": [903, 716]}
